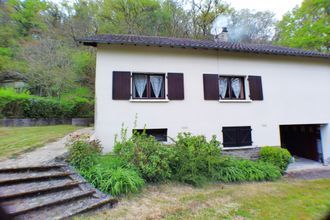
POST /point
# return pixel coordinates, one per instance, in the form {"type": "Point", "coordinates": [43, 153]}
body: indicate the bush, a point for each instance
{"type": "Point", "coordinates": [24, 105]}
{"type": "Point", "coordinates": [83, 153]}
{"type": "Point", "coordinates": [111, 174]}
{"type": "Point", "coordinates": [277, 156]}
{"type": "Point", "coordinates": [193, 157]}
{"type": "Point", "coordinates": [151, 158]}
{"type": "Point", "coordinates": [114, 181]}
{"type": "Point", "coordinates": [229, 169]}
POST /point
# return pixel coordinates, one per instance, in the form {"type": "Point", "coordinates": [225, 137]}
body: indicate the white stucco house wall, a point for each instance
{"type": "Point", "coordinates": [246, 95]}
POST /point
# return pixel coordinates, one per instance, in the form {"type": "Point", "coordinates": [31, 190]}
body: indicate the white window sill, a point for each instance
{"type": "Point", "coordinates": [150, 100]}
{"type": "Point", "coordinates": [239, 148]}
{"type": "Point", "coordinates": [235, 101]}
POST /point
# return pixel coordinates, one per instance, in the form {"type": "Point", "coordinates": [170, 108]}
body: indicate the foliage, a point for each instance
{"type": "Point", "coordinates": [83, 152]}
{"type": "Point", "coordinates": [140, 158]}
{"type": "Point", "coordinates": [151, 158]}
{"type": "Point", "coordinates": [114, 181]}
{"type": "Point", "coordinates": [194, 154]}
{"type": "Point", "coordinates": [111, 174]}
{"type": "Point", "coordinates": [229, 169]}
{"type": "Point", "coordinates": [277, 156]}
{"type": "Point", "coordinates": [24, 105]}
{"type": "Point", "coordinates": [307, 26]}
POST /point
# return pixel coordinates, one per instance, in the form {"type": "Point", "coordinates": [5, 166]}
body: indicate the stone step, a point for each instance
{"type": "Point", "coordinates": [21, 206]}
{"type": "Point", "coordinates": [18, 178]}
{"type": "Point", "coordinates": [48, 192]}
{"type": "Point", "coordinates": [28, 186]}
{"type": "Point", "coordinates": [31, 168]}
{"type": "Point", "coordinates": [69, 209]}
{"type": "Point", "coordinates": [37, 189]}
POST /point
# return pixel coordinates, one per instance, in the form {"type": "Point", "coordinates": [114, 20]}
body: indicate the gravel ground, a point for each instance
{"type": "Point", "coordinates": [44, 154]}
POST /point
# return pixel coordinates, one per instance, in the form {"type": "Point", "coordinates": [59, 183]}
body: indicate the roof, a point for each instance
{"type": "Point", "coordinates": [11, 76]}
{"type": "Point", "coordinates": [198, 44]}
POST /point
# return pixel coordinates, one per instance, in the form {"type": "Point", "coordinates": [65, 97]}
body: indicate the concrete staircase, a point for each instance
{"type": "Point", "coordinates": [48, 192]}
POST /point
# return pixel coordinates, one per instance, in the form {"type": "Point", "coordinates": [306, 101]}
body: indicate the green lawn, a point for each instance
{"type": "Point", "coordinates": [284, 199]}
{"type": "Point", "coordinates": [15, 140]}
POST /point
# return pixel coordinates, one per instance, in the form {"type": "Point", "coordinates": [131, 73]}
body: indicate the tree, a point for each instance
{"type": "Point", "coordinates": [307, 26]}
{"type": "Point", "coordinates": [50, 67]}
{"type": "Point", "coordinates": [203, 13]}
{"type": "Point", "coordinates": [9, 44]}
{"type": "Point", "coordinates": [130, 17]}
{"type": "Point", "coordinates": [28, 15]}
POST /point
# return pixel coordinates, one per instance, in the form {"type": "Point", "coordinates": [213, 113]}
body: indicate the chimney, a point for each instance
{"type": "Point", "coordinates": [223, 36]}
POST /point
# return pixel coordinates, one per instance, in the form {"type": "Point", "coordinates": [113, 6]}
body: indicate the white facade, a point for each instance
{"type": "Point", "coordinates": [296, 90]}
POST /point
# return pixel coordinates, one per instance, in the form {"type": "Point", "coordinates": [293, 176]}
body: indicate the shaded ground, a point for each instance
{"type": "Point", "coordinates": [284, 199]}
{"type": "Point", "coordinates": [38, 137]}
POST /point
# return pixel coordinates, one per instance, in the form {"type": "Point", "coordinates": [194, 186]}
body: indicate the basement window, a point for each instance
{"type": "Point", "coordinates": [160, 134]}
{"type": "Point", "coordinates": [237, 136]}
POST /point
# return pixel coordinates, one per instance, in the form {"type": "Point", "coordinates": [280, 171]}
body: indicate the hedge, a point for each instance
{"type": "Point", "coordinates": [24, 105]}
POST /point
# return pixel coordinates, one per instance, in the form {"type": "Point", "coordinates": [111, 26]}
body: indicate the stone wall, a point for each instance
{"type": "Point", "coordinates": [246, 153]}
{"type": "Point", "coordinates": [26, 122]}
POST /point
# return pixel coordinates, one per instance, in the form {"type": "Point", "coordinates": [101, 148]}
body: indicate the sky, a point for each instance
{"type": "Point", "coordinates": [279, 7]}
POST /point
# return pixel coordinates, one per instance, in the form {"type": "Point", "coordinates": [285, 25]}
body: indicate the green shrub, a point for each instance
{"type": "Point", "coordinates": [229, 169]}
{"type": "Point", "coordinates": [277, 156]}
{"type": "Point", "coordinates": [83, 153]}
{"type": "Point", "coordinates": [111, 174]}
{"type": "Point", "coordinates": [24, 105]}
{"type": "Point", "coordinates": [151, 158]}
{"type": "Point", "coordinates": [114, 181]}
{"type": "Point", "coordinates": [193, 157]}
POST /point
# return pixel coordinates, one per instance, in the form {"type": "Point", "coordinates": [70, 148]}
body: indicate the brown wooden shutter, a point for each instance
{"type": "Point", "coordinates": [175, 86]}
{"type": "Point", "coordinates": [121, 85]}
{"type": "Point", "coordinates": [255, 85]}
{"type": "Point", "coordinates": [211, 86]}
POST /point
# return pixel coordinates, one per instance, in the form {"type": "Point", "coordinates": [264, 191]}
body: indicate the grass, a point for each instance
{"type": "Point", "coordinates": [15, 140]}
{"type": "Point", "coordinates": [284, 199]}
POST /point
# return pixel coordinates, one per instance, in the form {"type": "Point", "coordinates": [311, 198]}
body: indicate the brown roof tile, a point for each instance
{"type": "Point", "coordinates": [199, 44]}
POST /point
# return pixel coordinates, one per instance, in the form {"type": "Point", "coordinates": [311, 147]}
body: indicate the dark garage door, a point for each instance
{"type": "Point", "coordinates": [301, 140]}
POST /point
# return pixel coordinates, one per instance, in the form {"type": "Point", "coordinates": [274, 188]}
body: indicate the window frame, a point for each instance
{"type": "Point", "coordinates": [148, 86]}
{"type": "Point", "coordinates": [231, 96]}
{"type": "Point", "coordinates": [238, 141]}
{"type": "Point", "coordinates": [149, 130]}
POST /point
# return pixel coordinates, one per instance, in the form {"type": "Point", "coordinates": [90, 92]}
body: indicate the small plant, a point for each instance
{"type": "Point", "coordinates": [111, 175]}
{"type": "Point", "coordinates": [230, 169]}
{"type": "Point", "coordinates": [277, 156]}
{"type": "Point", "coordinates": [193, 156]}
{"type": "Point", "coordinates": [150, 157]}
{"type": "Point", "coordinates": [83, 152]}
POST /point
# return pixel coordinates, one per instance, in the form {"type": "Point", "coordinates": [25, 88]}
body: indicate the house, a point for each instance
{"type": "Point", "coordinates": [10, 79]}
{"type": "Point", "coordinates": [248, 95]}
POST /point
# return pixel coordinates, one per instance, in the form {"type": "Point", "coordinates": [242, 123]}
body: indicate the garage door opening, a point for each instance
{"type": "Point", "coordinates": [302, 141]}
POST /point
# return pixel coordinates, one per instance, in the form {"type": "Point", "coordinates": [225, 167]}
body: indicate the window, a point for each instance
{"type": "Point", "coordinates": [148, 86]}
{"type": "Point", "coordinates": [159, 134]}
{"type": "Point", "coordinates": [231, 87]}
{"type": "Point", "coordinates": [237, 136]}
{"type": "Point", "coordinates": [127, 85]}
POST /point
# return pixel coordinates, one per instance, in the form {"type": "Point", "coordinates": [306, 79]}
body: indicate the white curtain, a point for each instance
{"type": "Point", "coordinates": [140, 82]}
{"type": "Point", "coordinates": [236, 86]}
{"type": "Point", "coordinates": [223, 84]}
{"type": "Point", "coordinates": [156, 83]}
